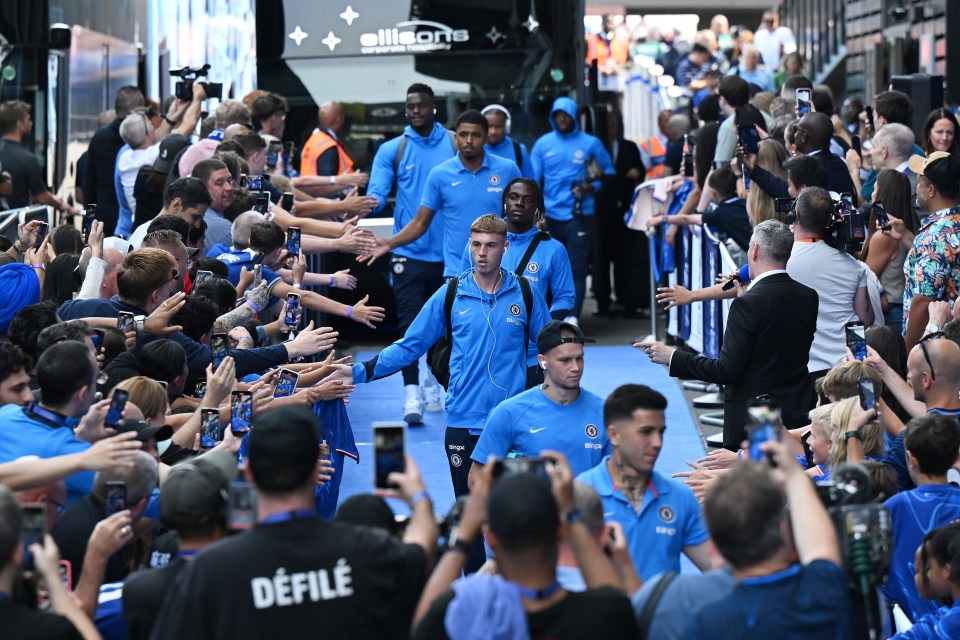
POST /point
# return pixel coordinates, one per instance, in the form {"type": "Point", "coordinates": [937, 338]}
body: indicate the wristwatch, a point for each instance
{"type": "Point", "coordinates": [932, 328]}
{"type": "Point", "coordinates": [852, 434]}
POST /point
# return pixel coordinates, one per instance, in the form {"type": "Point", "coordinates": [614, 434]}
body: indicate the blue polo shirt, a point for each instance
{"type": "Point", "coordinates": [913, 514]}
{"type": "Point", "coordinates": [23, 434]}
{"type": "Point", "coordinates": [669, 519]}
{"type": "Point", "coordinates": [460, 196]}
{"type": "Point", "coordinates": [530, 422]}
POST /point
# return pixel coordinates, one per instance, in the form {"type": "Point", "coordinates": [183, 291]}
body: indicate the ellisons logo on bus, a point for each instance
{"type": "Point", "coordinates": [412, 36]}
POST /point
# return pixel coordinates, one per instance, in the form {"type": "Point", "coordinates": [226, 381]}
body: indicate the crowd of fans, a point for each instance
{"type": "Point", "coordinates": [172, 438]}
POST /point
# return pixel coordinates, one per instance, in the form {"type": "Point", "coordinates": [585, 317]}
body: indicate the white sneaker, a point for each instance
{"type": "Point", "coordinates": [432, 399]}
{"type": "Point", "coordinates": [413, 410]}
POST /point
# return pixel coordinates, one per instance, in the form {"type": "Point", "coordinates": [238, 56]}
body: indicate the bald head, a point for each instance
{"type": "Point", "coordinates": [938, 380]}
{"type": "Point", "coordinates": [817, 131]}
{"type": "Point", "coordinates": [233, 130]}
{"type": "Point", "coordinates": [330, 115]}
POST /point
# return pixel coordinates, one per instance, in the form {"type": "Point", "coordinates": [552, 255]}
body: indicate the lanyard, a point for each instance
{"type": "Point", "coordinates": [286, 516]}
{"type": "Point", "coordinates": [50, 417]}
{"type": "Point", "coordinates": [187, 554]}
{"type": "Point", "coordinates": [538, 594]}
{"type": "Point", "coordinates": [773, 577]}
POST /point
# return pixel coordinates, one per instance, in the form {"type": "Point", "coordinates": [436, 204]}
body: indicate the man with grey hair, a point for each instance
{"type": "Point", "coordinates": [767, 340]}
{"type": "Point", "coordinates": [240, 232]}
{"type": "Point", "coordinates": [892, 147]}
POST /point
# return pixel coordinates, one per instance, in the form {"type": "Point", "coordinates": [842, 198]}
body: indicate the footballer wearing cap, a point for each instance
{"type": "Point", "coordinates": [557, 415]}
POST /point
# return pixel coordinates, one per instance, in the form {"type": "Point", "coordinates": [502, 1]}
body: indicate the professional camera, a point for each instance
{"type": "Point", "coordinates": [866, 540]}
{"type": "Point", "coordinates": [187, 75]}
{"type": "Point", "coordinates": [847, 230]}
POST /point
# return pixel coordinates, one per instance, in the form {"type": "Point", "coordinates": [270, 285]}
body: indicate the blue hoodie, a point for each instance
{"type": "Point", "coordinates": [488, 362]}
{"type": "Point", "coordinates": [560, 162]}
{"type": "Point", "coordinates": [419, 157]}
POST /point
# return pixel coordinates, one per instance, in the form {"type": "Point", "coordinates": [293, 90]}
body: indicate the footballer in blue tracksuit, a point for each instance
{"type": "Point", "coordinates": [560, 160]}
{"type": "Point", "coordinates": [490, 335]}
{"type": "Point", "coordinates": [499, 141]}
{"type": "Point", "coordinates": [418, 266]}
{"type": "Point", "coordinates": [457, 191]}
{"type": "Point", "coordinates": [548, 267]}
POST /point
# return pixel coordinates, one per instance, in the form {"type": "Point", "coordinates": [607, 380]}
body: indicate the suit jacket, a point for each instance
{"type": "Point", "coordinates": [765, 349]}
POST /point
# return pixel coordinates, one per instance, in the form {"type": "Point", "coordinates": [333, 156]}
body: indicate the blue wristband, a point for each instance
{"type": "Point", "coordinates": [418, 496]}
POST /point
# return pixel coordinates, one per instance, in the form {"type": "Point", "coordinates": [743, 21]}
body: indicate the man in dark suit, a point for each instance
{"type": "Point", "coordinates": [766, 342]}
{"type": "Point", "coordinates": [614, 244]}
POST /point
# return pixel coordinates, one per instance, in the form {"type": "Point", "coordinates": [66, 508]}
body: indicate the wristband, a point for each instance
{"type": "Point", "coordinates": [40, 266]}
{"type": "Point", "coordinates": [417, 497]}
{"type": "Point", "coordinates": [462, 545]}
{"type": "Point", "coordinates": [297, 285]}
{"type": "Point", "coordinates": [333, 282]}
{"type": "Point", "coordinates": [253, 305]}
{"type": "Point", "coordinates": [852, 434]}
{"type": "Point", "coordinates": [169, 121]}
{"type": "Point", "coordinates": [18, 249]}
{"type": "Point", "coordinates": [574, 515]}
{"type": "Point", "coordinates": [349, 311]}
{"type": "Point", "coordinates": [333, 179]}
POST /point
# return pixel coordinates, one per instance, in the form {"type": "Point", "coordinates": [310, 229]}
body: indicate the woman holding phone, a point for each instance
{"type": "Point", "coordinates": [884, 255]}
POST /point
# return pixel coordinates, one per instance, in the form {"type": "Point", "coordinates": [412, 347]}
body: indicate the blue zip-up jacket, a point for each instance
{"type": "Point", "coordinates": [419, 157]}
{"type": "Point", "coordinates": [198, 355]}
{"type": "Point", "coordinates": [560, 162]}
{"type": "Point", "coordinates": [488, 362]}
{"type": "Point", "coordinates": [506, 150]}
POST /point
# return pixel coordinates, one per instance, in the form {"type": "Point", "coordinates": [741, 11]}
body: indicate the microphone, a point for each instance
{"type": "Point", "coordinates": [743, 276]}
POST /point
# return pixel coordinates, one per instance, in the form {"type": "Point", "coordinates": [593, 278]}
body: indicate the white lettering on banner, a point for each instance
{"type": "Point", "coordinates": [431, 36]}
{"type": "Point", "coordinates": [284, 590]}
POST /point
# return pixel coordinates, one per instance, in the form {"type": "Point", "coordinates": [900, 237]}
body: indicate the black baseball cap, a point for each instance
{"type": "Point", "coordinates": [145, 431]}
{"type": "Point", "coordinates": [551, 336]}
{"type": "Point", "coordinates": [169, 148]}
{"type": "Point", "coordinates": [284, 446]}
{"type": "Point", "coordinates": [940, 168]}
{"type": "Point", "coordinates": [196, 490]}
{"type": "Point", "coordinates": [521, 507]}
{"type": "Point", "coordinates": [368, 510]}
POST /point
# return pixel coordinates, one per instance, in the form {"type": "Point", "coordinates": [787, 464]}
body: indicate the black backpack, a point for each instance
{"type": "Point", "coordinates": [440, 360]}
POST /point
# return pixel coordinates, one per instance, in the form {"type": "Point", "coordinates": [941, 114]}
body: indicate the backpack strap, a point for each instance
{"type": "Point", "coordinates": [452, 284]}
{"type": "Point", "coordinates": [539, 237]}
{"type": "Point", "coordinates": [400, 149]}
{"type": "Point", "coordinates": [646, 616]}
{"type": "Point", "coordinates": [517, 153]}
{"type": "Point", "coordinates": [527, 292]}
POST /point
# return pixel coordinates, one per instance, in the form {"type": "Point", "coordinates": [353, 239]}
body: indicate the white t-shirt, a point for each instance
{"type": "Point", "coordinates": [773, 45]}
{"type": "Point", "coordinates": [836, 277]}
{"type": "Point", "coordinates": [129, 163]}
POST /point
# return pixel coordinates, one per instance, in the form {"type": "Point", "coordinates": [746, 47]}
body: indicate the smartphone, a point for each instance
{"type": "Point", "coordinates": [126, 322]}
{"type": "Point", "coordinates": [784, 205]}
{"type": "Point", "coordinates": [263, 202]}
{"type": "Point", "coordinates": [286, 383]}
{"type": "Point", "coordinates": [389, 445]}
{"type": "Point", "coordinates": [243, 181]}
{"type": "Point", "coordinates": [97, 337]}
{"type": "Point", "coordinates": [273, 152]}
{"type": "Point", "coordinates": [201, 389]}
{"type": "Point", "coordinates": [209, 428]}
{"type": "Point", "coordinates": [287, 153]}
{"type": "Point", "coordinates": [218, 347]}
{"type": "Point", "coordinates": [749, 138]}
{"type": "Point", "coordinates": [869, 110]}
{"type": "Point", "coordinates": [242, 509]}
{"type": "Point", "coordinates": [534, 464]}
{"type": "Point", "coordinates": [286, 201]}
{"type": "Point", "coordinates": [33, 528]}
{"type": "Point", "coordinates": [293, 241]}
{"type": "Point", "coordinates": [746, 176]}
{"type": "Point", "coordinates": [856, 339]}
{"type": "Point", "coordinates": [855, 145]}
{"type": "Point", "coordinates": [687, 156]}
{"type": "Point", "coordinates": [41, 234]}
{"type": "Point", "coordinates": [88, 219]}
{"type": "Point", "coordinates": [117, 404]}
{"type": "Point", "coordinates": [881, 213]}
{"type": "Point", "coordinates": [868, 394]}
{"type": "Point", "coordinates": [257, 274]}
{"type": "Point", "coordinates": [241, 412]}
{"type": "Point", "coordinates": [202, 276]}
{"type": "Point", "coordinates": [293, 309]}
{"type": "Point", "coordinates": [803, 102]}
{"type": "Point", "coordinates": [116, 497]}
{"type": "Point", "coordinates": [763, 424]}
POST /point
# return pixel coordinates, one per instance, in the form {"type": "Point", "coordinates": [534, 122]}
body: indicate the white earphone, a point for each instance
{"type": "Point", "coordinates": [499, 107]}
{"type": "Point", "coordinates": [543, 365]}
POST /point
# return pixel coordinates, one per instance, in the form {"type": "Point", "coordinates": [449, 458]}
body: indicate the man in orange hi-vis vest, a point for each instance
{"type": "Point", "coordinates": [324, 154]}
{"type": "Point", "coordinates": [653, 152]}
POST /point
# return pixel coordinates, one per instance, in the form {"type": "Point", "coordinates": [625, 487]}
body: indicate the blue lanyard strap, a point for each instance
{"type": "Point", "coordinates": [538, 594]}
{"type": "Point", "coordinates": [286, 516]}
{"type": "Point", "coordinates": [187, 554]}
{"type": "Point", "coordinates": [51, 417]}
{"type": "Point", "coordinates": [773, 577]}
